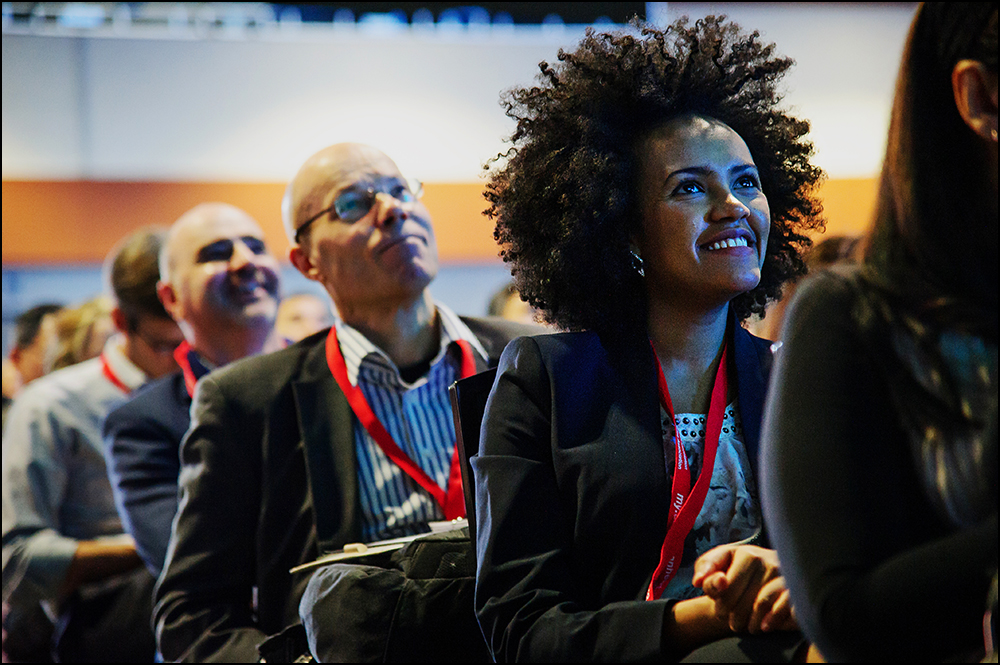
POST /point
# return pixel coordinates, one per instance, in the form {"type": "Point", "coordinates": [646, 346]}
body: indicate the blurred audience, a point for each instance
{"type": "Point", "coordinates": [63, 544]}
{"type": "Point", "coordinates": [11, 385]}
{"type": "Point", "coordinates": [81, 333]}
{"type": "Point", "coordinates": [507, 304]}
{"type": "Point", "coordinates": [879, 450]}
{"type": "Point", "coordinates": [34, 332]}
{"type": "Point", "coordinates": [831, 250]}
{"type": "Point", "coordinates": [220, 283]}
{"type": "Point", "coordinates": [301, 315]}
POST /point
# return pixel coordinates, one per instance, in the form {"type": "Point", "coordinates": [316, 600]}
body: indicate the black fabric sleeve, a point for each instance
{"type": "Point", "coordinates": [143, 464]}
{"type": "Point", "coordinates": [203, 601]}
{"type": "Point", "coordinates": [873, 573]}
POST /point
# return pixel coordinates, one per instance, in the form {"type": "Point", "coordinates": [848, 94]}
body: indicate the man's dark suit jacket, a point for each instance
{"type": "Point", "coordinates": [247, 511]}
{"type": "Point", "coordinates": [572, 496]}
{"type": "Point", "coordinates": [142, 441]}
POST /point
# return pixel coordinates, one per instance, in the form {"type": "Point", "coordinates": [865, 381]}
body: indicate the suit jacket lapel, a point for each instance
{"type": "Point", "coordinates": [326, 425]}
{"type": "Point", "coordinates": [752, 362]}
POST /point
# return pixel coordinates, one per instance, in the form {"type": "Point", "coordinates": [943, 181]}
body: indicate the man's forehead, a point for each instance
{"type": "Point", "coordinates": [199, 232]}
{"type": "Point", "coordinates": [363, 168]}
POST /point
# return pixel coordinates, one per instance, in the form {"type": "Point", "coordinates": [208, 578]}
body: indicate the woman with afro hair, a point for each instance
{"type": "Point", "coordinates": [653, 198]}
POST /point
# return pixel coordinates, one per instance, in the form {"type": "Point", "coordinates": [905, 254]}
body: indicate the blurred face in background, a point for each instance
{"type": "Point", "coordinates": [218, 272]}
{"type": "Point", "coordinates": [152, 340]}
{"type": "Point", "coordinates": [30, 360]}
{"type": "Point", "coordinates": [302, 315]}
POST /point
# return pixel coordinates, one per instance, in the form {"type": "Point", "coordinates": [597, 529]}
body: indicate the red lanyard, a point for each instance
{"type": "Point", "coordinates": [686, 503]}
{"type": "Point", "coordinates": [181, 356]}
{"type": "Point", "coordinates": [452, 502]}
{"type": "Point", "coordinates": [110, 375]}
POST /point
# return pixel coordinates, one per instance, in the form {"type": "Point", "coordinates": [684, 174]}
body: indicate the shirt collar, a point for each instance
{"type": "Point", "coordinates": [123, 368]}
{"type": "Point", "coordinates": [356, 347]}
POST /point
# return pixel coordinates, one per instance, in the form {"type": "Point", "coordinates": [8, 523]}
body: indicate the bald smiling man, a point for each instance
{"type": "Point", "coordinates": [276, 468]}
{"type": "Point", "coordinates": [220, 284]}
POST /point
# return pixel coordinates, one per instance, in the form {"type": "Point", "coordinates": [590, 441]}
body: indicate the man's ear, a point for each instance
{"type": "Point", "coordinates": [301, 261]}
{"type": "Point", "coordinates": [975, 91]}
{"type": "Point", "coordinates": [165, 292]}
{"type": "Point", "coordinates": [120, 321]}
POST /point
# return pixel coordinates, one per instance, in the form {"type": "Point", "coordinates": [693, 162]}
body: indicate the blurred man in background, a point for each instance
{"type": "Point", "coordinates": [220, 283]}
{"type": "Point", "coordinates": [34, 332]}
{"type": "Point", "coordinates": [63, 544]}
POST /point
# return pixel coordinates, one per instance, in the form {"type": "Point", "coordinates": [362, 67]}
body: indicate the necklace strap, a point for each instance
{"type": "Point", "coordinates": [452, 500]}
{"type": "Point", "coordinates": [685, 502]}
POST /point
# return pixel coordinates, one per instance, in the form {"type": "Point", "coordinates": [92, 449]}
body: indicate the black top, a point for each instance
{"type": "Point", "coordinates": [875, 572]}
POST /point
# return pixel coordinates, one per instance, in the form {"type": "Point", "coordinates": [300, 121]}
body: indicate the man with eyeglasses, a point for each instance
{"type": "Point", "coordinates": [346, 436]}
{"type": "Point", "coordinates": [221, 285]}
{"type": "Point", "coordinates": [63, 543]}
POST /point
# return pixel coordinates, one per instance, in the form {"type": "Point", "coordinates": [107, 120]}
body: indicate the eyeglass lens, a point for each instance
{"type": "Point", "coordinates": [353, 204]}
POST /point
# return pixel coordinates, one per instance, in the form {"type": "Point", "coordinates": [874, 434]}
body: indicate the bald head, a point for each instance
{"type": "Point", "coordinates": [331, 168]}
{"type": "Point", "coordinates": [363, 232]}
{"type": "Point", "coordinates": [216, 274]}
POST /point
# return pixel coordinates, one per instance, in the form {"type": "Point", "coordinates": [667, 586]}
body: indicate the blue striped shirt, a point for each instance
{"type": "Point", "coordinates": [419, 419]}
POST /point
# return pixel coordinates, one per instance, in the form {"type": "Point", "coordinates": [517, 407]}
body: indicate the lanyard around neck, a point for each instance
{"type": "Point", "coordinates": [452, 501]}
{"type": "Point", "coordinates": [110, 375]}
{"type": "Point", "coordinates": [184, 361]}
{"type": "Point", "coordinates": [685, 502]}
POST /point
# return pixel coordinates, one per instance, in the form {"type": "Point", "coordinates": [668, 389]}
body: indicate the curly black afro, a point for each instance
{"type": "Point", "coordinates": [564, 196]}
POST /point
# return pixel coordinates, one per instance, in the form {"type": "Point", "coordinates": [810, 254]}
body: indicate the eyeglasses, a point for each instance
{"type": "Point", "coordinates": [222, 249]}
{"type": "Point", "coordinates": [159, 345]}
{"type": "Point", "coordinates": [354, 203]}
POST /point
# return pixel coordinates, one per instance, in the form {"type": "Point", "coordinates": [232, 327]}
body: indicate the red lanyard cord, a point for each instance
{"type": "Point", "coordinates": [452, 501]}
{"type": "Point", "coordinates": [184, 361]}
{"type": "Point", "coordinates": [110, 375]}
{"type": "Point", "coordinates": [685, 503]}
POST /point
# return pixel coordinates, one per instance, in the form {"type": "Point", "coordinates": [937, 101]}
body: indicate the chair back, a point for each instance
{"type": "Point", "coordinates": [468, 403]}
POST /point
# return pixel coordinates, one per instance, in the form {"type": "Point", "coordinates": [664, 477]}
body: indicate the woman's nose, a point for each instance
{"type": "Point", "coordinates": [729, 206]}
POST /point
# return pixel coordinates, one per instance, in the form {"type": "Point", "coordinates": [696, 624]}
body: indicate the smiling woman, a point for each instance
{"type": "Point", "coordinates": [704, 218]}
{"type": "Point", "coordinates": [654, 197]}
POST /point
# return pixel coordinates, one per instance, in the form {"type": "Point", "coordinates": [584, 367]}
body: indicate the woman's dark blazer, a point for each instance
{"type": "Point", "coordinates": [572, 494]}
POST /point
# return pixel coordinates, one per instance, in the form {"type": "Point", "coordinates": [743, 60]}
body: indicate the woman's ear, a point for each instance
{"type": "Point", "coordinates": [975, 89]}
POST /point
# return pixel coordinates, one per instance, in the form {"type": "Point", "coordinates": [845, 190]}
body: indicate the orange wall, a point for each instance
{"type": "Point", "coordinates": [47, 222]}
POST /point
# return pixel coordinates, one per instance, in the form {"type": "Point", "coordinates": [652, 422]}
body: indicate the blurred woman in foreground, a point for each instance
{"type": "Point", "coordinates": [880, 444]}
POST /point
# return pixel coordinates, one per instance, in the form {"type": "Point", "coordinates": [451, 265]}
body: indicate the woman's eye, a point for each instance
{"type": "Point", "coordinates": [688, 187]}
{"type": "Point", "coordinates": [748, 181]}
